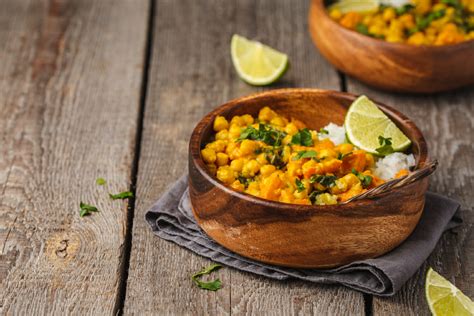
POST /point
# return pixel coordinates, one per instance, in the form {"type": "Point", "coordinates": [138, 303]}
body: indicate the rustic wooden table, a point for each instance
{"type": "Point", "coordinates": [113, 89]}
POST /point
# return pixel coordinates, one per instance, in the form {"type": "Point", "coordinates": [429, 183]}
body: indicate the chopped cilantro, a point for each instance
{"type": "Point", "coordinates": [423, 22]}
{"type": "Point", "coordinates": [362, 29]}
{"type": "Point", "coordinates": [264, 133]}
{"type": "Point", "coordinates": [86, 209]}
{"type": "Point", "coordinates": [364, 179]}
{"type": "Point", "coordinates": [341, 156]}
{"type": "Point", "coordinates": [312, 196]}
{"type": "Point", "coordinates": [121, 196]}
{"type": "Point", "coordinates": [100, 181]}
{"type": "Point", "coordinates": [211, 286]}
{"type": "Point", "coordinates": [245, 181]}
{"type": "Point", "coordinates": [305, 154]}
{"type": "Point", "coordinates": [385, 146]}
{"type": "Point", "coordinates": [303, 138]}
{"type": "Point", "coordinates": [299, 185]}
{"type": "Point", "coordinates": [325, 180]}
{"type": "Point", "coordinates": [404, 9]}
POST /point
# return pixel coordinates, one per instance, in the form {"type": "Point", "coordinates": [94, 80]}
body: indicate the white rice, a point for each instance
{"type": "Point", "coordinates": [336, 133]}
{"type": "Point", "coordinates": [386, 168]}
{"type": "Point", "coordinates": [395, 3]}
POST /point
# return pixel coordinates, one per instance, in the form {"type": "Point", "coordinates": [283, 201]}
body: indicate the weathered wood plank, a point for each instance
{"type": "Point", "coordinates": [70, 80]}
{"type": "Point", "coordinates": [447, 121]}
{"type": "Point", "coordinates": [191, 73]}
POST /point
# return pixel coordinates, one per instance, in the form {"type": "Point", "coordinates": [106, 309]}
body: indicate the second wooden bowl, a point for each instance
{"type": "Point", "coordinates": [391, 66]}
{"type": "Point", "coordinates": [300, 235]}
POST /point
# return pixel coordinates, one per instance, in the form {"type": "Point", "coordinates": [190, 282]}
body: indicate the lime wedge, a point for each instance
{"type": "Point", "coordinates": [444, 298]}
{"type": "Point", "coordinates": [365, 122]}
{"type": "Point", "coordinates": [345, 6]}
{"type": "Point", "coordinates": [257, 64]}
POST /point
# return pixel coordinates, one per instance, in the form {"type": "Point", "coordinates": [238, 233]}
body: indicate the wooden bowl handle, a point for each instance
{"type": "Point", "coordinates": [414, 176]}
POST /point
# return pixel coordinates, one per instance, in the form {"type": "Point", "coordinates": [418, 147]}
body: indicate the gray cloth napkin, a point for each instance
{"type": "Point", "coordinates": [171, 218]}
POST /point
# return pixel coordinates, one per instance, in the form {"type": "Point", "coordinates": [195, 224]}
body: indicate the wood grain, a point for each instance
{"type": "Point", "coordinates": [447, 121]}
{"type": "Point", "coordinates": [70, 78]}
{"type": "Point", "coordinates": [391, 66]}
{"type": "Point", "coordinates": [297, 235]}
{"type": "Point", "coordinates": [191, 73]}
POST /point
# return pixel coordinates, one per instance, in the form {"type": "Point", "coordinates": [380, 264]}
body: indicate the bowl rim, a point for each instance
{"type": "Point", "coordinates": [319, 5]}
{"type": "Point", "coordinates": [199, 164]}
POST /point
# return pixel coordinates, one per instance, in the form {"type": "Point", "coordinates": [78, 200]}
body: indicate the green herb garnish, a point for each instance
{"type": "Point", "coordinates": [325, 180]}
{"type": "Point", "coordinates": [121, 196]}
{"type": "Point", "coordinates": [404, 9]}
{"type": "Point", "coordinates": [274, 156]}
{"type": "Point", "coordinates": [86, 209]}
{"type": "Point", "coordinates": [424, 22]}
{"type": "Point", "coordinates": [245, 181]}
{"type": "Point", "coordinates": [364, 180]}
{"type": "Point", "coordinates": [264, 133]}
{"type": "Point", "coordinates": [323, 131]}
{"type": "Point", "coordinates": [312, 196]}
{"type": "Point", "coordinates": [363, 29]}
{"type": "Point", "coordinates": [303, 138]}
{"type": "Point", "coordinates": [211, 286]}
{"type": "Point", "coordinates": [385, 146]}
{"type": "Point", "coordinates": [299, 185]}
{"type": "Point", "coordinates": [453, 3]}
{"type": "Point", "coordinates": [100, 181]}
{"type": "Point", "coordinates": [341, 156]}
{"type": "Point", "coordinates": [305, 154]}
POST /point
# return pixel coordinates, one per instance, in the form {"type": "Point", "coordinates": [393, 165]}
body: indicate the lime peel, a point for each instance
{"type": "Point", "coordinates": [256, 63]}
{"type": "Point", "coordinates": [365, 122]}
{"type": "Point", "coordinates": [444, 298]}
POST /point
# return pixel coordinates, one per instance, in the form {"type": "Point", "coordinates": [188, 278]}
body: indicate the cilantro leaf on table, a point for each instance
{"type": "Point", "coordinates": [86, 209]}
{"type": "Point", "coordinates": [100, 181]}
{"type": "Point", "coordinates": [121, 195]}
{"type": "Point", "coordinates": [210, 286]}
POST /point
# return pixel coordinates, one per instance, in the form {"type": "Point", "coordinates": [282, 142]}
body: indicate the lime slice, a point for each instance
{"type": "Point", "coordinates": [346, 6]}
{"type": "Point", "coordinates": [257, 64]}
{"type": "Point", "coordinates": [444, 298]}
{"type": "Point", "coordinates": [365, 122]}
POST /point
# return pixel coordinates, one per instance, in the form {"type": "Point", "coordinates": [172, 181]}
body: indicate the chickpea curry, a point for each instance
{"type": "Point", "coordinates": [280, 159]}
{"type": "Point", "coordinates": [421, 22]}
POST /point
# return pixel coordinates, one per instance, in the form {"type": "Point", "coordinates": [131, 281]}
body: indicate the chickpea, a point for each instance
{"type": "Point", "coordinates": [247, 147]}
{"type": "Point", "coordinates": [335, 14]}
{"type": "Point", "coordinates": [225, 174]}
{"type": "Point", "coordinates": [222, 159]}
{"type": "Point", "coordinates": [220, 123]}
{"type": "Point", "coordinates": [248, 119]}
{"type": "Point", "coordinates": [291, 129]}
{"type": "Point", "coordinates": [267, 170]}
{"type": "Point", "coordinates": [218, 146]}
{"type": "Point", "coordinates": [389, 14]}
{"type": "Point", "coordinates": [236, 185]}
{"type": "Point", "coordinates": [208, 155]}
{"type": "Point", "coordinates": [326, 199]}
{"type": "Point", "coordinates": [266, 114]}
{"type": "Point", "coordinates": [237, 164]}
{"type": "Point", "coordinates": [250, 168]}
{"type": "Point", "coordinates": [222, 135]}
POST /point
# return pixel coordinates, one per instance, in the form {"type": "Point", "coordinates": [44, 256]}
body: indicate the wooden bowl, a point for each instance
{"type": "Point", "coordinates": [302, 236]}
{"type": "Point", "coordinates": [391, 66]}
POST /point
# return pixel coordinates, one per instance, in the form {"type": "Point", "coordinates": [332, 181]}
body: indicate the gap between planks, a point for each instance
{"type": "Point", "coordinates": [122, 290]}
